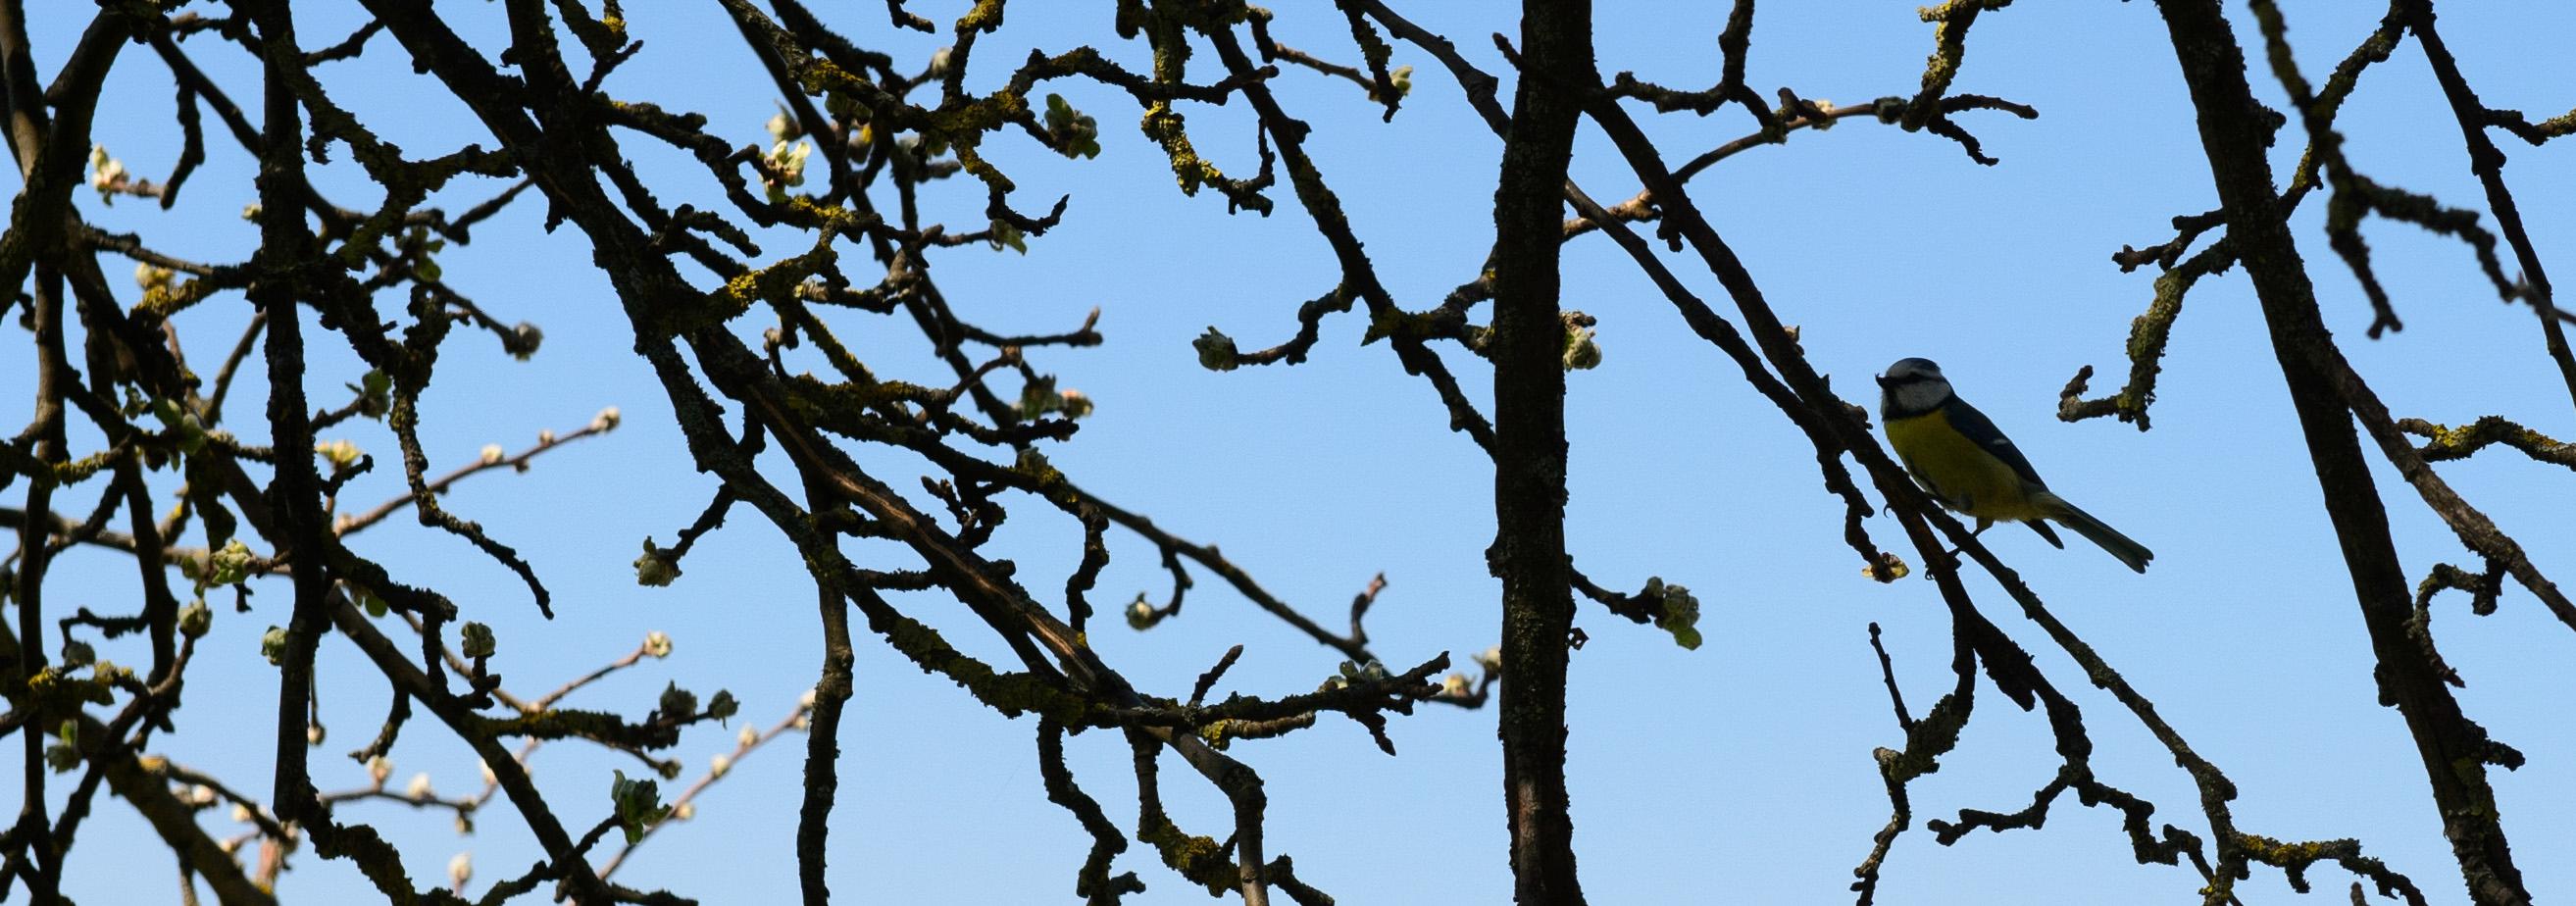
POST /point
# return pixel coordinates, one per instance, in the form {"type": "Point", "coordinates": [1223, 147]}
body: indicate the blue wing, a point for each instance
{"type": "Point", "coordinates": [1977, 427]}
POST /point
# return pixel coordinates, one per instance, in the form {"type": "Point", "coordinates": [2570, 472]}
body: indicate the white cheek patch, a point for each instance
{"type": "Point", "coordinates": [1920, 396]}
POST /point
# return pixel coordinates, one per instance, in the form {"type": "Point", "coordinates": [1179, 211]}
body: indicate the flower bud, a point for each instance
{"type": "Point", "coordinates": [341, 453]}
{"type": "Point", "coordinates": [195, 619]}
{"type": "Point", "coordinates": [523, 340]}
{"type": "Point", "coordinates": [655, 569]}
{"type": "Point", "coordinates": [1076, 404]}
{"type": "Point", "coordinates": [272, 645]}
{"type": "Point", "coordinates": [1216, 351]}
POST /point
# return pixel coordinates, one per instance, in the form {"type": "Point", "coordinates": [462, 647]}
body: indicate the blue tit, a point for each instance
{"type": "Point", "coordinates": [1970, 466]}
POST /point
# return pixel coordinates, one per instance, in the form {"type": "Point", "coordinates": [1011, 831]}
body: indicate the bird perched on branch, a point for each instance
{"type": "Point", "coordinates": [1970, 466]}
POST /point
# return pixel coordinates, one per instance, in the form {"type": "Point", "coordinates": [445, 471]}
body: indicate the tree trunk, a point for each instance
{"type": "Point", "coordinates": [1529, 444]}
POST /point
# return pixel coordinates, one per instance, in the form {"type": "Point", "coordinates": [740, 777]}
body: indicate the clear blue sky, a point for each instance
{"type": "Point", "coordinates": [1742, 767]}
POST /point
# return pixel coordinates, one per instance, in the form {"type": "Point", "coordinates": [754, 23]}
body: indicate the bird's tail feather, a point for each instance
{"type": "Point", "coordinates": [2067, 514]}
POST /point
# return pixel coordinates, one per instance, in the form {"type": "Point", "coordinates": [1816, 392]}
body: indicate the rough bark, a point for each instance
{"type": "Point", "coordinates": [2234, 133]}
{"type": "Point", "coordinates": [1529, 448]}
{"type": "Point", "coordinates": [295, 495]}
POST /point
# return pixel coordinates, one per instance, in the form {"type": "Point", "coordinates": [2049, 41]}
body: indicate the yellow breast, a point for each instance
{"type": "Point", "coordinates": [1966, 476]}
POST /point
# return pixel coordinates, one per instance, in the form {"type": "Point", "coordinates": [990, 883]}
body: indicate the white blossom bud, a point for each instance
{"type": "Point", "coordinates": [341, 453]}
{"type": "Point", "coordinates": [105, 172]}
{"type": "Point", "coordinates": [657, 643]}
{"type": "Point", "coordinates": [419, 787]}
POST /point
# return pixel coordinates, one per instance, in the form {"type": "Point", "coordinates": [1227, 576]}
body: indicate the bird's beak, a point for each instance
{"type": "Point", "coordinates": [1882, 380]}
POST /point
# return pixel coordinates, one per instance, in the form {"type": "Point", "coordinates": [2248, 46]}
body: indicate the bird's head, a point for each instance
{"type": "Point", "coordinates": [1911, 387]}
